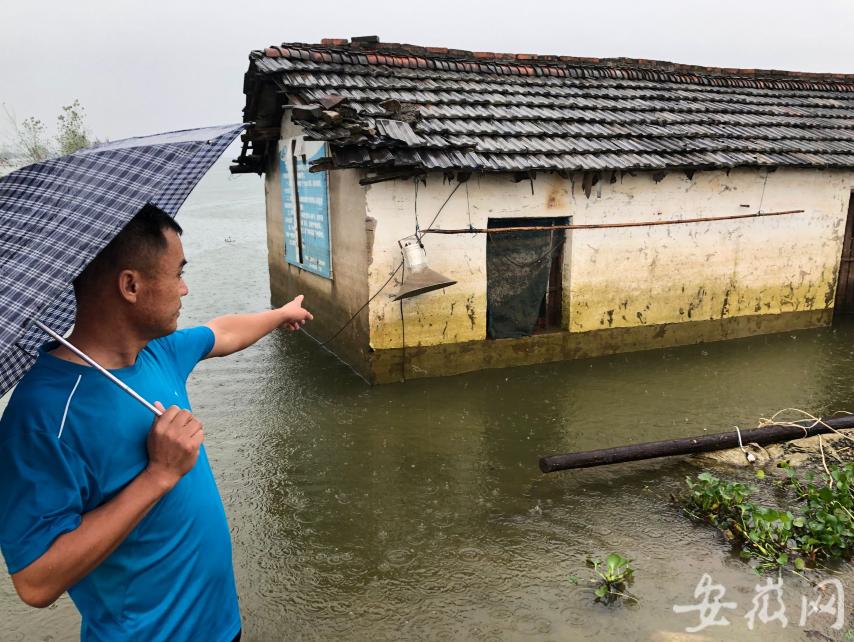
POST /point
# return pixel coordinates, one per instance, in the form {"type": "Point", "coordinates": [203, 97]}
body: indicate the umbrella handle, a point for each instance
{"type": "Point", "coordinates": [109, 375]}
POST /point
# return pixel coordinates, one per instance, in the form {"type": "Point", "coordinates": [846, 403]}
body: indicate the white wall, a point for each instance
{"type": "Point", "coordinates": [621, 277]}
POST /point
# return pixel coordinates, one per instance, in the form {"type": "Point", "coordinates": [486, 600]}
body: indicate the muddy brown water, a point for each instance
{"type": "Point", "coordinates": [417, 512]}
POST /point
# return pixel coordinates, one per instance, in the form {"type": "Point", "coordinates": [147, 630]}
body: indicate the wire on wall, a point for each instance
{"type": "Point", "coordinates": [402, 344]}
{"type": "Point", "coordinates": [468, 206]}
{"type": "Point", "coordinates": [764, 183]}
{"type": "Point", "coordinates": [417, 227]}
{"type": "Point", "coordinates": [396, 270]}
{"type": "Point", "coordinates": [350, 320]}
{"type": "Point", "coordinates": [430, 227]}
{"type": "Point", "coordinates": [601, 226]}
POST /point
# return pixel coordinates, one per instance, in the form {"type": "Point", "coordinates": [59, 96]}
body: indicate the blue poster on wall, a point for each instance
{"type": "Point", "coordinates": [305, 206]}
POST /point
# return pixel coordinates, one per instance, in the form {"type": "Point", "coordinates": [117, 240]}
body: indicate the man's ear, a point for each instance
{"type": "Point", "coordinates": [128, 282]}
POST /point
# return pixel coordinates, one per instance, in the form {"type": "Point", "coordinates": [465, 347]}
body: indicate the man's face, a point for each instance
{"type": "Point", "coordinates": [159, 302]}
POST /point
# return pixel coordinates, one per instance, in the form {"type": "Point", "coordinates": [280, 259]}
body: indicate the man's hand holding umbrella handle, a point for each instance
{"type": "Point", "coordinates": [173, 445]}
{"type": "Point", "coordinates": [173, 448]}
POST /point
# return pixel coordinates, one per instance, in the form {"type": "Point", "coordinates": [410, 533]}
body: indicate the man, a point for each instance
{"type": "Point", "coordinates": [97, 499]}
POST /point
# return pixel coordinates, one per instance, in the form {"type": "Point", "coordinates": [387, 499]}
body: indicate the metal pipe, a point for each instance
{"type": "Point", "coordinates": [109, 375]}
{"type": "Point", "coordinates": [598, 226]}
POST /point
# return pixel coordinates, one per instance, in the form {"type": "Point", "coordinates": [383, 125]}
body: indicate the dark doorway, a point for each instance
{"type": "Point", "coordinates": [524, 277]}
{"type": "Point", "coordinates": [845, 284]}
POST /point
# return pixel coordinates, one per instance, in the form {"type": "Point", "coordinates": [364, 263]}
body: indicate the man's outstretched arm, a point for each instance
{"type": "Point", "coordinates": [173, 447]}
{"type": "Point", "coordinates": [234, 332]}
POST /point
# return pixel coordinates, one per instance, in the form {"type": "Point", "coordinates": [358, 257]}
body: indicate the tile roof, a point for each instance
{"type": "Point", "coordinates": [395, 108]}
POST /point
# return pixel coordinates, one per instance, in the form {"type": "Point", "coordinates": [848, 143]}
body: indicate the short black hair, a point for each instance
{"type": "Point", "coordinates": [135, 247]}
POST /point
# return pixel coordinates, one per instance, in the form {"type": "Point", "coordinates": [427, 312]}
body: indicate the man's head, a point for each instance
{"type": "Point", "coordinates": [138, 275]}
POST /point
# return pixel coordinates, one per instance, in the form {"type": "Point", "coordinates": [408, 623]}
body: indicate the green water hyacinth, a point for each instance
{"type": "Point", "coordinates": [716, 500]}
{"type": "Point", "coordinates": [818, 527]}
{"type": "Point", "coordinates": [613, 578]}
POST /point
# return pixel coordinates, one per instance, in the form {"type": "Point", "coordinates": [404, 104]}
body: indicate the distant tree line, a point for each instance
{"type": "Point", "coordinates": [32, 142]}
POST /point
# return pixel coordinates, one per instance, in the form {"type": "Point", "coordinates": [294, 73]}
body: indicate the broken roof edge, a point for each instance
{"type": "Point", "coordinates": [391, 170]}
{"type": "Point", "coordinates": [446, 59]}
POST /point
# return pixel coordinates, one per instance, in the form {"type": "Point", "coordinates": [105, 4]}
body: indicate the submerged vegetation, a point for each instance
{"type": "Point", "coordinates": [817, 527]}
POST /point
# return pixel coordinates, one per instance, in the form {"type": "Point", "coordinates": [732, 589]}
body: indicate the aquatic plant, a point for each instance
{"type": "Point", "coordinates": [819, 527]}
{"type": "Point", "coordinates": [613, 577]}
{"type": "Point", "coordinates": [766, 534]}
{"type": "Point", "coordinates": [828, 529]}
{"type": "Point", "coordinates": [716, 500]}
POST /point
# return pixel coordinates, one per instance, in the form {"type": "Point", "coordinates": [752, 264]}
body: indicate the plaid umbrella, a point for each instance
{"type": "Point", "coordinates": [57, 215]}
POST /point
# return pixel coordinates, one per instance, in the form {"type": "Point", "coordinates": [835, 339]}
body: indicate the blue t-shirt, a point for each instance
{"type": "Point", "coordinates": [69, 441]}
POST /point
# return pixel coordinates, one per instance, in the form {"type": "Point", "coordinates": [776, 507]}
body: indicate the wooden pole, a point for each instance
{"type": "Point", "coordinates": [602, 226]}
{"type": "Point", "coordinates": [772, 434]}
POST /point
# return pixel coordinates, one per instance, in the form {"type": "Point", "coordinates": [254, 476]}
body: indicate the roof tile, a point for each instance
{"type": "Point", "coordinates": [518, 112]}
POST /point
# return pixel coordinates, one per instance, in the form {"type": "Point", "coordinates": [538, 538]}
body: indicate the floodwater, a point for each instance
{"type": "Point", "coordinates": [417, 511]}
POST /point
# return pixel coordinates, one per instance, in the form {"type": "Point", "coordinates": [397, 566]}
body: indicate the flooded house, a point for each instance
{"type": "Point", "coordinates": [445, 211]}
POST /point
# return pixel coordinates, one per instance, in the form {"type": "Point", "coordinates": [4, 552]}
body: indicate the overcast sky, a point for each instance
{"type": "Point", "coordinates": [143, 67]}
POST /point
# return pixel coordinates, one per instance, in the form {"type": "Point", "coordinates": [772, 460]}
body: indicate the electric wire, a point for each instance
{"type": "Point", "coordinates": [393, 274]}
{"type": "Point", "coordinates": [402, 344]}
{"type": "Point", "coordinates": [350, 320]}
{"type": "Point", "coordinates": [468, 206]}
{"type": "Point", "coordinates": [415, 208]}
{"type": "Point", "coordinates": [337, 356]}
{"type": "Point", "coordinates": [764, 183]}
{"type": "Point", "coordinates": [602, 226]}
{"type": "Point", "coordinates": [430, 227]}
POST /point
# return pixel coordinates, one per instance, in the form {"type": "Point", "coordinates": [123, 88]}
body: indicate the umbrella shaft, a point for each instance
{"type": "Point", "coordinates": [109, 375]}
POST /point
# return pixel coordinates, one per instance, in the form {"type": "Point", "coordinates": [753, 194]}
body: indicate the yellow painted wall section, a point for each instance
{"type": "Point", "coordinates": [627, 276]}
{"type": "Point", "coordinates": [706, 271]}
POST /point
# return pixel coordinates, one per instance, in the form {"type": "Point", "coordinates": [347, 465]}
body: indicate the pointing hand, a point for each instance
{"type": "Point", "coordinates": [294, 314]}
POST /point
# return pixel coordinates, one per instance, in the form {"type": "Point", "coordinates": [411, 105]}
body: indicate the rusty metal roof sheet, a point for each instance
{"type": "Point", "coordinates": [400, 106]}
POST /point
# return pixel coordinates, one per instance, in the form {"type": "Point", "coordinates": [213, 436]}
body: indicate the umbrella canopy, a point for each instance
{"type": "Point", "coordinates": [57, 215]}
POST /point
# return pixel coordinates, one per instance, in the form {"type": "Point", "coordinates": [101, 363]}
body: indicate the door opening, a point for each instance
{"type": "Point", "coordinates": [844, 303]}
{"type": "Point", "coordinates": [524, 277]}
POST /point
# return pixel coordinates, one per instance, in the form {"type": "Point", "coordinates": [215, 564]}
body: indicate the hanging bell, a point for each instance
{"type": "Point", "coordinates": [417, 277]}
